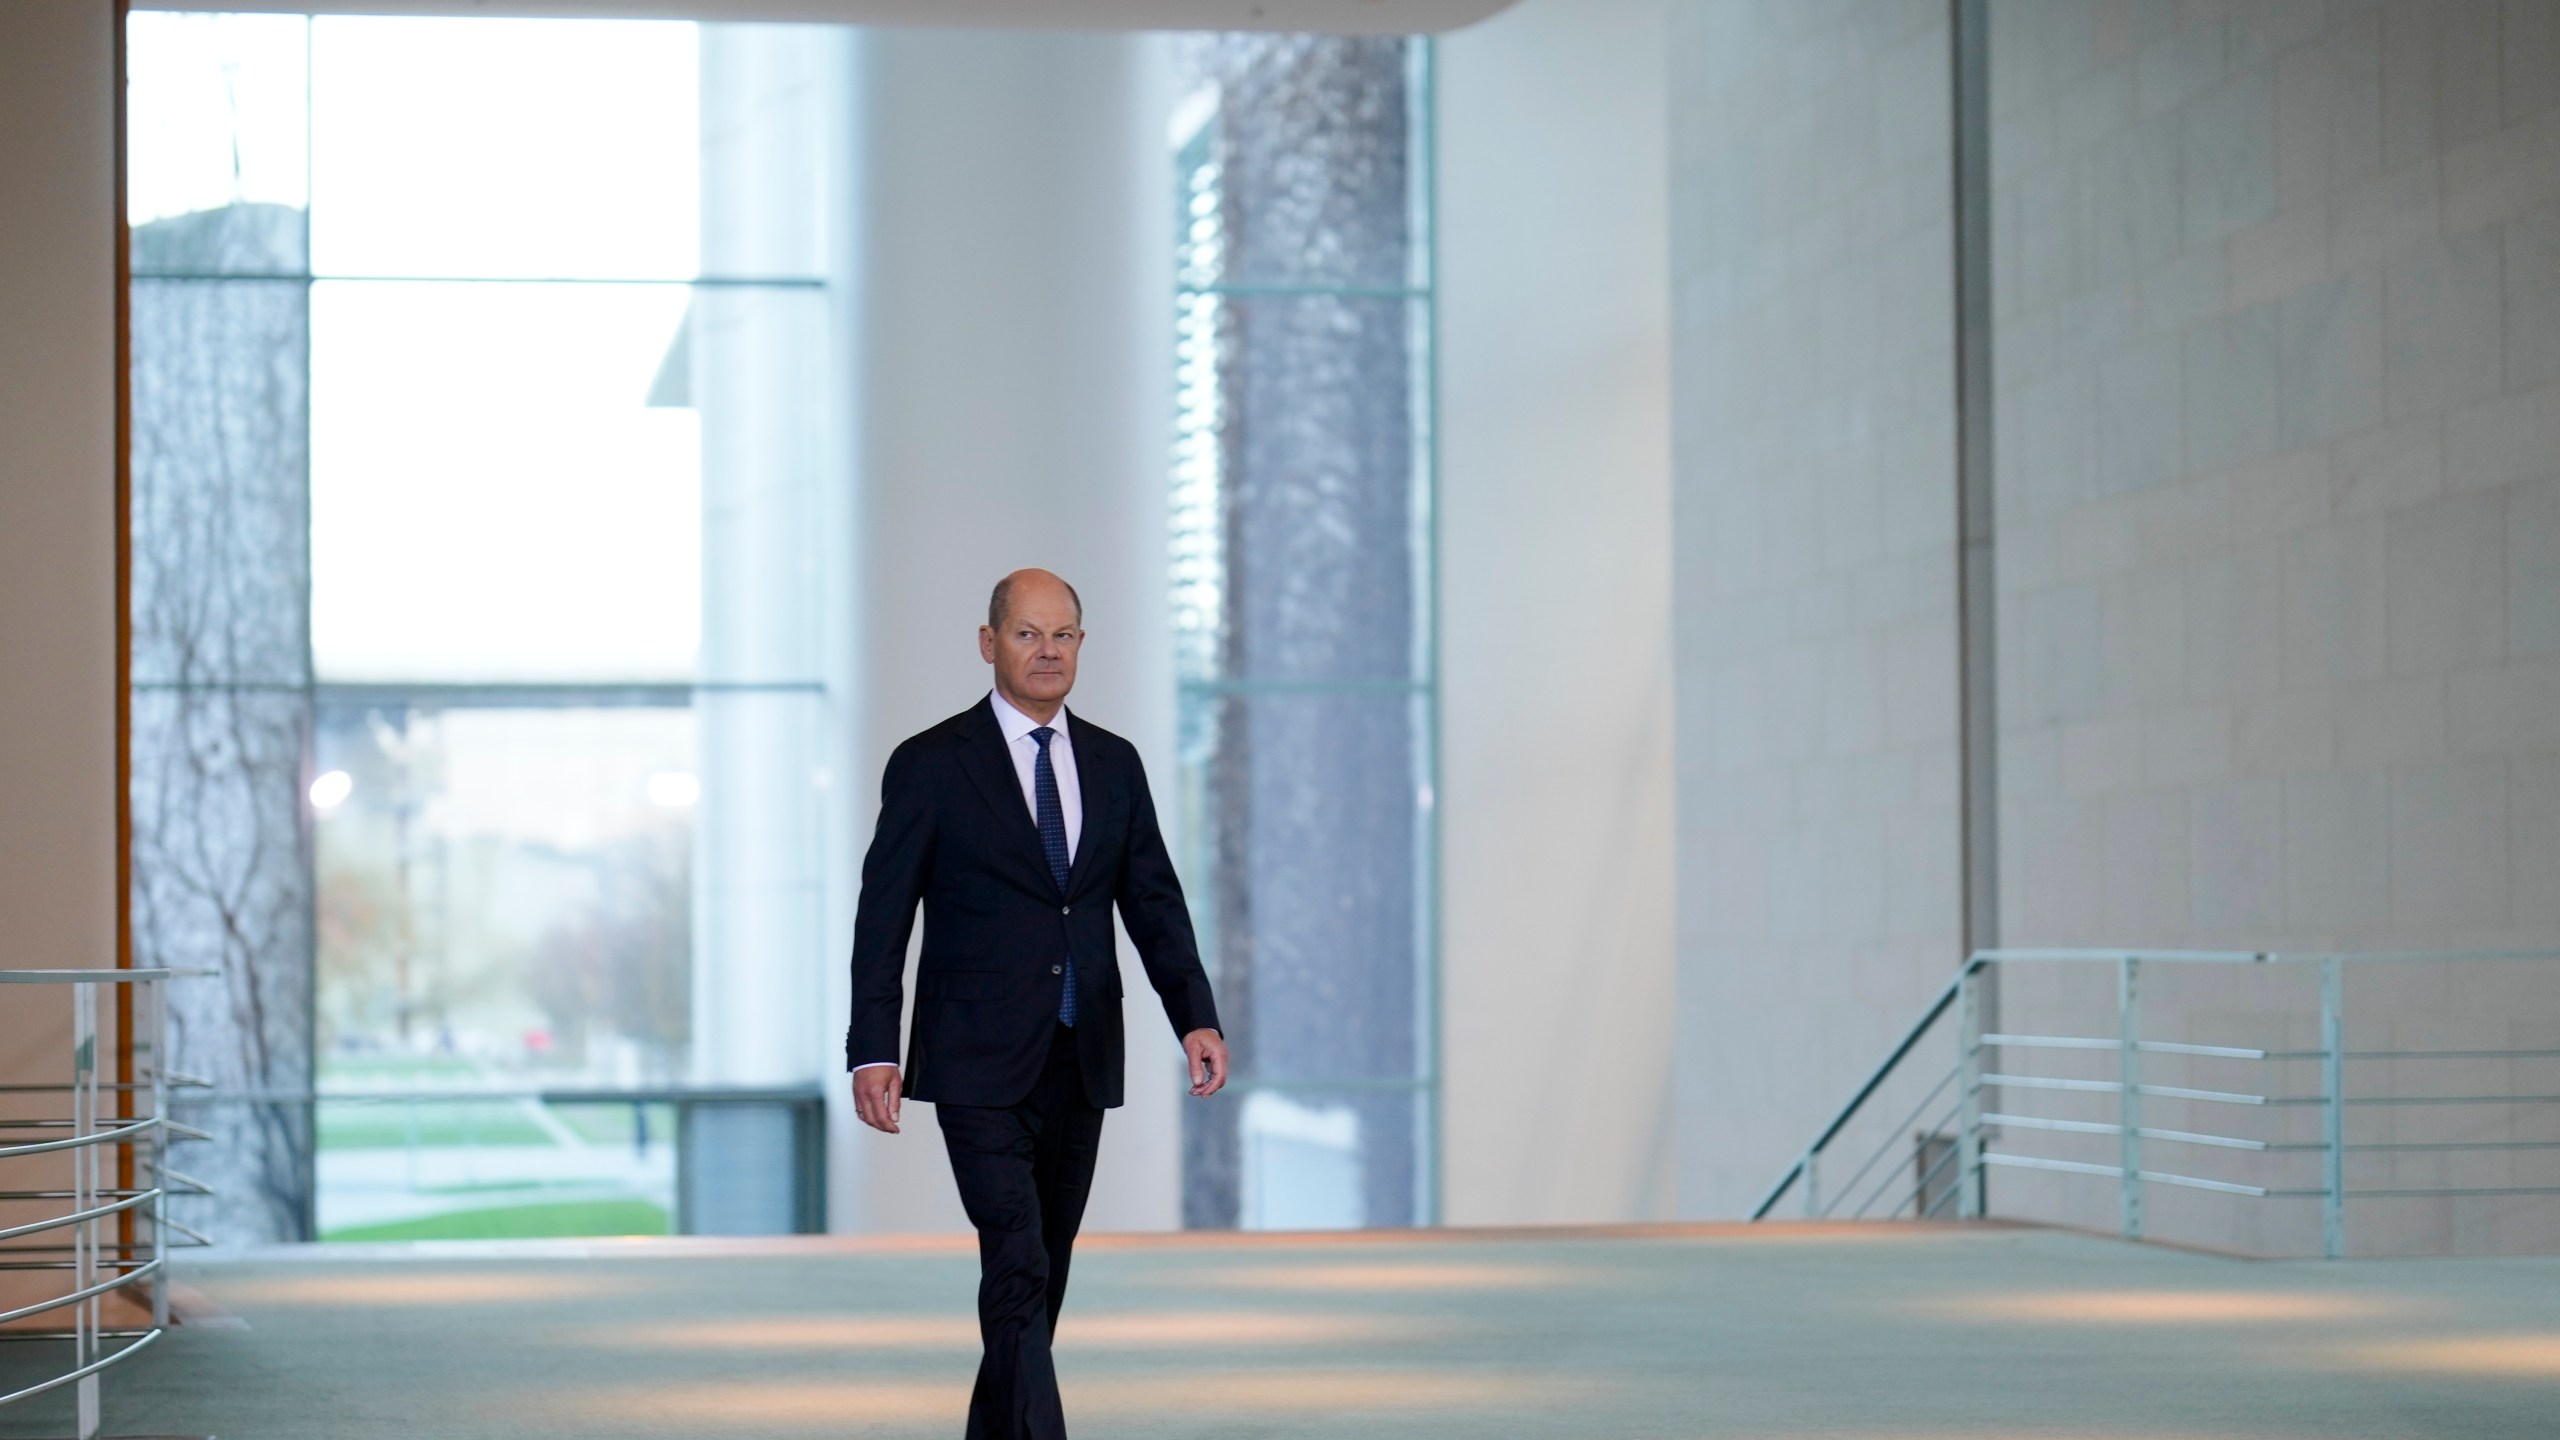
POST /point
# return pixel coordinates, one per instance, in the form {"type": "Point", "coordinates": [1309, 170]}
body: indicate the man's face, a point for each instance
{"type": "Point", "coordinates": [1035, 652]}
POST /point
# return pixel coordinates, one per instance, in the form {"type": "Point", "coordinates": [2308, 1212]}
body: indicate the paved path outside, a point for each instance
{"type": "Point", "coordinates": [1847, 1333]}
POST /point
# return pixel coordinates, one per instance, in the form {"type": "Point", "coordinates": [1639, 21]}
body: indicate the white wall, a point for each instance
{"type": "Point", "coordinates": [57, 484]}
{"type": "Point", "coordinates": [1814, 502]}
{"type": "Point", "coordinates": [2277, 428]}
{"type": "Point", "coordinates": [1014, 322]}
{"type": "Point", "coordinates": [57, 532]}
{"type": "Point", "coordinates": [1555, 596]}
{"type": "Point", "coordinates": [2279, 405]}
{"type": "Point", "coordinates": [2278, 395]}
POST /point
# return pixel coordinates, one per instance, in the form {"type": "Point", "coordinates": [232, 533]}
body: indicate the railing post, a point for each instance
{"type": "Point", "coordinates": [1813, 1184]}
{"type": "Point", "coordinates": [2333, 1110]}
{"type": "Point", "coordinates": [156, 1001]}
{"type": "Point", "coordinates": [1970, 1196]}
{"type": "Point", "coordinates": [84, 1196]}
{"type": "Point", "coordinates": [2129, 1111]}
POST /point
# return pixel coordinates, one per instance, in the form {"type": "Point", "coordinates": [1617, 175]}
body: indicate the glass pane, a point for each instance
{"type": "Point", "coordinates": [1311, 143]}
{"type": "Point", "coordinates": [1304, 816]}
{"type": "Point", "coordinates": [755, 362]}
{"type": "Point", "coordinates": [1317, 802]}
{"type": "Point", "coordinates": [1327, 1159]}
{"type": "Point", "coordinates": [506, 895]}
{"type": "Point", "coordinates": [463, 477]}
{"type": "Point", "coordinates": [1320, 510]}
{"type": "Point", "coordinates": [221, 884]}
{"type": "Point", "coordinates": [505, 148]}
{"type": "Point", "coordinates": [759, 887]}
{"type": "Point", "coordinates": [505, 483]}
{"type": "Point", "coordinates": [766, 125]}
{"type": "Point", "coordinates": [1200, 484]}
{"type": "Point", "coordinates": [1300, 589]}
{"type": "Point", "coordinates": [221, 473]}
{"type": "Point", "coordinates": [417, 1166]}
{"type": "Point", "coordinates": [216, 117]}
{"type": "Point", "coordinates": [221, 719]}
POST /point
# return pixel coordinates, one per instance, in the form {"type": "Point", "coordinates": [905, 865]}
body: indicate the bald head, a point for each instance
{"type": "Point", "coordinates": [1034, 629]}
{"type": "Point", "coordinates": [1000, 603]}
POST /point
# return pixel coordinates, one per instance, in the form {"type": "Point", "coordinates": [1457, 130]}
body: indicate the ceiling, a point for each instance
{"type": "Point", "coordinates": [1344, 17]}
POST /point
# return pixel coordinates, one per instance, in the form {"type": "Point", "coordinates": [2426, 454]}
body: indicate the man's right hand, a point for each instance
{"type": "Point", "coordinates": [875, 1096]}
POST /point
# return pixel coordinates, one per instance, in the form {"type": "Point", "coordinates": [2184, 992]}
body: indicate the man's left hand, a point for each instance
{"type": "Point", "coordinates": [1208, 1052]}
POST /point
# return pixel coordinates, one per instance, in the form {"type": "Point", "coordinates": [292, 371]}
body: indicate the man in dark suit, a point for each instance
{"type": "Point", "coordinates": [1018, 826]}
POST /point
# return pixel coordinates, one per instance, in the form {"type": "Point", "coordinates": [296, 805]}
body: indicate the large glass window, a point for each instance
{"type": "Point", "coordinates": [478, 696]}
{"type": "Point", "coordinates": [1302, 591]}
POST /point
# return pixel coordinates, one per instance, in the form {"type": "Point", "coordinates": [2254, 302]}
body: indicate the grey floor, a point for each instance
{"type": "Point", "coordinates": [1827, 1331]}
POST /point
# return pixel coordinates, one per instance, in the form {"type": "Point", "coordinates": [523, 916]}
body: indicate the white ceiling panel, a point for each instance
{"type": "Point", "coordinates": [1341, 17]}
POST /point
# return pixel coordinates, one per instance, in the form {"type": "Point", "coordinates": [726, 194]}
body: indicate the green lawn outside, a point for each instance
{"type": "Point", "coordinates": [523, 1222]}
{"type": "Point", "coordinates": [611, 1124]}
{"type": "Point", "coordinates": [405, 1069]}
{"type": "Point", "coordinates": [383, 1125]}
{"type": "Point", "coordinates": [348, 1125]}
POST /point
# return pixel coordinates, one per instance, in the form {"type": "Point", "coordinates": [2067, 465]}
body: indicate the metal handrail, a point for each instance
{"type": "Point", "coordinates": [2114, 1087]}
{"type": "Point", "coordinates": [2108, 1127]}
{"type": "Point", "coordinates": [1927, 1100]}
{"type": "Point", "coordinates": [2083, 1167]}
{"type": "Point", "coordinates": [548, 1095]}
{"type": "Point", "coordinates": [117, 1282]}
{"type": "Point", "coordinates": [1920, 1187]}
{"type": "Point", "coordinates": [138, 975]}
{"type": "Point", "coordinates": [1972, 1157]}
{"type": "Point", "coordinates": [2147, 1047]}
{"type": "Point", "coordinates": [1911, 1039]}
{"type": "Point", "coordinates": [100, 1262]}
{"type": "Point", "coordinates": [118, 1136]}
{"type": "Point", "coordinates": [79, 1217]}
{"type": "Point", "coordinates": [88, 1372]}
{"type": "Point", "coordinates": [194, 1236]}
{"type": "Point", "coordinates": [1919, 1184]}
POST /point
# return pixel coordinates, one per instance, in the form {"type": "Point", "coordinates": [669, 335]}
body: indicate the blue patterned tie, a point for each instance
{"type": "Point", "coordinates": [1053, 842]}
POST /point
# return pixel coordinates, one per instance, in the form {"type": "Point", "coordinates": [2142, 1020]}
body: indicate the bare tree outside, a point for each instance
{"type": "Point", "coordinates": [222, 692]}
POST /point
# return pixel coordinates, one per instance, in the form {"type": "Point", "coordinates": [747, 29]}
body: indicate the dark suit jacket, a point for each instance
{"type": "Point", "coordinates": [955, 834]}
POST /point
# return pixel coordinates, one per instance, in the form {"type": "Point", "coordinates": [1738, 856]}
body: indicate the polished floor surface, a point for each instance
{"type": "Point", "coordinates": [1830, 1331]}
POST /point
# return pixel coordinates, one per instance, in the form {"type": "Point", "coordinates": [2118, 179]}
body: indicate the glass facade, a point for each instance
{"type": "Point", "coordinates": [1301, 572]}
{"type": "Point", "coordinates": [478, 436]}
{"type": "Point", "coordinates": [222, 685]}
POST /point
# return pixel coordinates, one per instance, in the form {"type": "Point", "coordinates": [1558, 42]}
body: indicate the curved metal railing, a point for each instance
{"type": "Point", "coordinates": [1979, 1100]}
{"type": "Point", "coordinates": [116, 1233]}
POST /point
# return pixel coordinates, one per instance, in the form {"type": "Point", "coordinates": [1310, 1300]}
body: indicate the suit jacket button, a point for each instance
{"type": "Point", "coordinates": [1066, 909]}
{"type": "Point", "coordinates": [1057, 969]}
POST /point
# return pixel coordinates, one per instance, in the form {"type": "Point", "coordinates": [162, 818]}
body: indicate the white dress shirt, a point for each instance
{"type": "Point", "coordinates": [1025, 751]}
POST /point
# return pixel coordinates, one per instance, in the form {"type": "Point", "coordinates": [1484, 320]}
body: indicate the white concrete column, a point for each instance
{"type": "Point", "coordinates": [57, 485]}
{"type": "Point", "coordinates": [1009, 230]}
{"type": "Point", "coordinates": [763, 376]}
{"type": "Point", "coordinates": [57, 526]}
{"type": "Point", "coordinates": [1555, 563]}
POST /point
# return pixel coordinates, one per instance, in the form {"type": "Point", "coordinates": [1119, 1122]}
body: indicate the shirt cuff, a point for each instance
{"type": "Point", "coordinates": [874, 1065]}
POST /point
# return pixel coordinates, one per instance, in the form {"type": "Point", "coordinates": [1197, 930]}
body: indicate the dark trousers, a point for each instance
{"type": "Point", "coordinates": [1024, 1171]}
